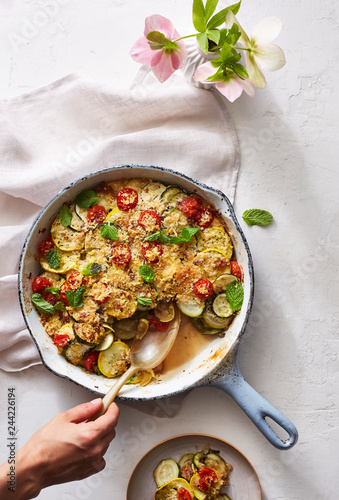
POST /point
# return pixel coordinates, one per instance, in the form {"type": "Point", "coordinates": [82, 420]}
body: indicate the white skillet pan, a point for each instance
{"type": "Point", "coordinates": [210, 360]}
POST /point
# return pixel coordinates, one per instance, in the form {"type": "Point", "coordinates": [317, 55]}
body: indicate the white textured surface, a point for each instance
{"type": "Point", "coordinates": [287, 138]}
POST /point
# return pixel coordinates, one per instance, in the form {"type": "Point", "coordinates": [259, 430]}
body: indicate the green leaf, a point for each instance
{"type": "Point", "coordinates": [154, 236]}
{"type": "Point", "coordinates": [157, 37]}
{"type": "Point", "coordinates": [226, 52]}
{"type": "Point", "coordinates": [213, 35]}
{"type": "Point", "coordinates": [210, 7]}
{"type": "Point", "coordinates": [258, 217]}
{"type": "Point", "coordinates": [220, 17]}
{"type": "Point", "coordinates": [235, 295]}
{"type": "Point", "coordinates": [54, 290]}
{"type": "Point", "coordinates": [92, 269]}
{"type": "Point", "coordinates": [41, 304]}
{"type": "Point", "coordinates": [109, 232]}
{"type": "Point", "coordinates": [59, 306]}
{"type": "Point", "coordinates": [86, 198]}
{"type": "Point", "coordinates": [169, 45]}
{"type": "Point", "coordinates": [163, 238]}
{"type": "Point", "coordinates": [216, 62]}
{"type": "Point", "coordinates": [240, 70]}
{"type": "Point", "coordinates": [143, 301]}
{"type": "Point", "coordinates": [146, 273]}
{"type": "Point", "coordinates": [203, 41]}
{"type": "Point", "coordinates": [65, 215]}
{"type": "Point", "coordinates": [75, 297]}
{"type": "Point", "coordinates": [53, 258]}
{"type": "Point", "coordinates": [188, 232]}
{"type": "Point", "coordinates": [198, 15]}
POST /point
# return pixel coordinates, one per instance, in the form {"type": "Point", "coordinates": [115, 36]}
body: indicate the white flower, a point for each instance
{"type": "Point", "coordinates": [260, 53]}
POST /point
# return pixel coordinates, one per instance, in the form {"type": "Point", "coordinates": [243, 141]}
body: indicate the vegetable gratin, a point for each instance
{"type": "Point", "coordinates": [118, 259]}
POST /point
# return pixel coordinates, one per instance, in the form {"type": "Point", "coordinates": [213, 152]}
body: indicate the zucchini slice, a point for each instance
{"type": "Point", "coordinates": [81, 212]}
{"type": "Point", "coordinates": [142, 377]}
{"type": "Point", "coordinates": [217, 238]}
{"type": "Point", "coordinates": [169, 491]}
{"type": "Point", "coordinates": [65, 238]}
{"type": "Point", "coordinates": [201, 326]}
{"type": "Point", "coordinates": [164, 311]}
{"type": "Point", "coordinates": [115, 360]}
{"type": "Point", "coordinates": [137, 184]}
{"type": "Point", "coordinates": [105, 343]}
{"type": "Point", "coordinates": [221, 306]}
{"type": "Point", "coordinates": [122, 304]}
{"type": "Point", "coordinates": [165, 471]}
{"type": "Point", "coordinates": [68, 261]}
{"type": "Point", "coordinates": [74, 353]}
{"type": "Point", "coordinates": [214, 263]}
{"type": "Point", "coordinates": [211, 460]}
{"type": "Point", "coordinates": [187, 467]}
{"type": "Point", "coordinates": [67, 329]}
{"type": "Point", "coordinates": [87, 334]}
{"type": "Point", "coordinates": [214, 321]}
{"type": "Point", "coordinates": [222, 282]}
{"type": "Point", "coordinates": [223, 496]}
{"type": "Point", "coordinates": [76, 223]}
{"type": "Point", "coordinates": [176, 199]}
{"type": "Point", "coordinates": [126, 329]}
{"type": "Point", "coordinates": [169, 192]}
{"type": "Point", "coordinates": [192, 308]}
{"type": "Point", "coordinates": [151, 192]}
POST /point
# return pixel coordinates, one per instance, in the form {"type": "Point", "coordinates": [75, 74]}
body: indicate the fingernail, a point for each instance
{"type": "Point", "coordinates": [95, 401]}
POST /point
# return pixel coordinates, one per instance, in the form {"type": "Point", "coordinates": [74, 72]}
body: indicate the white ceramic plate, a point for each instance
{"type": "Point", "coordinates": [244, 482]}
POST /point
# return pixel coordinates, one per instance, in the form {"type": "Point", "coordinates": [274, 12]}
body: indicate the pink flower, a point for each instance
{"type": "Point", "coordinates": [231, 86]}
{"type": "Point", "coordinates": [166, 56]}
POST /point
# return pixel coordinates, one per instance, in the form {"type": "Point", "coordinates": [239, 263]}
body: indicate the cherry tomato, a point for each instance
{"type": "Point", "coordinates": [206, 477]}
{"type": "Point", "coordinates": [204, 217]}
{"type": "Point", "coordinates": [156, 324]}
{"type": "Point", "coordinates": [96, 214]}
{"type": "Point", "coordinates": [127, 199]}
{"type": "Point", "coordinates": [191, 206]}
{"type": "Point", "coordinates": [203, 289]}
{"type": "Point", "coordinates": [149, 220]}
{"type": "Point", "coordinates": [183, 494]}
{"type": "Point", "coordinates": [75, 280]}
{"type": "Point", "coordinates": [65, 287]}
{"type": "Point", "coordinates": [61, 340]}
{"type": "Point", "coordinates": [49, 297]}
{"type": "Point", "coordinates": [151, 251]}
{"type": "Point", "coordinates": [235, 269]}
{"type": "Point", "coordinates": [91, 360]}
{"type": "Point", "coordinates": [121, 255]}
{"type": "Point", "coordinates": [39, 284]}
{"type": "Point", "coordinates": [46, 245]}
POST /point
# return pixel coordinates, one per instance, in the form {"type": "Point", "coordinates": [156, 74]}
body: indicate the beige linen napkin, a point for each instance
{"type": "Point", "coordinates": [75, 126]}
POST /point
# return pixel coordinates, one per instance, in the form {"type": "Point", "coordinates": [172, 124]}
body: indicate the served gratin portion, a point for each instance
{"type": "Point", "coordinates": [117, 261]}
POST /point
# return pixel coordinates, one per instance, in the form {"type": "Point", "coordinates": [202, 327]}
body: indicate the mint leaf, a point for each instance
{"type": "Point", "coordinates": [59, 306]}
{"type": "Point", "coordinates": [86, 198]}
{"type": "Point", "coordinates": [146, 273]}
{"type": "Point", "coordinates": [258, 217]}
{"type": "Point", "coordinates": [41, 304]}
{"type": "Point", "coordinates": [53, 258]}
{"type": "Point", "coordinates": [210, 7]}
{"type": "Point", "coordinates": [143, 301]}
{"type": "Point", "coordinates": [203, 41]}
{"type": "Point", "coordinates": [75, 297]}
{"type": "Point", "coordinates": [54, 290]}
{"type": "Point", "coordinates": [65, 215]}
{"type": "Point", "coordinates": [154, 236]}
{"type": "Point", "coordinates": [92, 269]}
{"type": "Point", "coordinates": [176, 240]}
{"type": "Point", "coordinates": [198, 15]}
{"type": "Point", "coordinates": [163, 238]}
{"type": "Point", "coordinates": [188, 232]}
{"type": "Point", "coordinates": [235, 295]}
{"type": "Point", "coordinates": [109, 231]}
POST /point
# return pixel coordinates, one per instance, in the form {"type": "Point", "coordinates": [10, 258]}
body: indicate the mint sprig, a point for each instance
{"type": "Point", "coordinates": [41, 304]}
{"type": "Point", "coordinates": [65, 215]}
{"type": "Point", "coordinates": [235, 295]}
{"type": "Point", "coordinates": [86, 198]}
{"type": "Point", "coordinates": [109, 231]}
{"type": "Point", "coordinates": [146, 273]}
{"type": "Point", "coordinates": [92, 269]}
{"type": "Point", "coordinates": [258, 217]}
{"type": "Point", "coordinates": [54, 290]}
{"type": "Point", "coordinates": [75, 297]}
{"type": "Point", "coordinates": [184, 236]}
{"type": "Point", "coordinates": [53, 258]}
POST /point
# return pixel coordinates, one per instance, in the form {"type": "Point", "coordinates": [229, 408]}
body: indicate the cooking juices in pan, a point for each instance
{"type": "Point", "coordinates": [119, 259]}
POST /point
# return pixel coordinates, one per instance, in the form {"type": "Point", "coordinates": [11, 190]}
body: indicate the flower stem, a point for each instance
{"type": "Point", "coordinates": [187, 36]}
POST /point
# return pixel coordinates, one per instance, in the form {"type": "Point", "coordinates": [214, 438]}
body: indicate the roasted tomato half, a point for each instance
{"type": "Point", "coordinates": [61, 340]}
{"type": "Point", "coordinates": [203, 289]}
{"type": "Point", "coordinates": [235, 269]}
{"type": "Point", "coordinates": [39, 284]}
{"type": "Point", "coordinates": [46, 245]}
{"type": "Point", "coordinates": [96, 214]}
{"type": "Point", "coordinates": [207, 477]}
{"type": "Point", "coordinates": [121, 255]}
{"type": "Point", "coordinates": [204, 217]}
{"type": "Point", "coordinates": [149, 220]}
{"type": "Point", "coordinates": [91, 360]}
{"type": "Point", "coordinates": [156, 324]}
{"type": "Point", "coordinates": [127, 199]}
{"type": "Point", "coordinates": [191, 206]}
{"type": "Point", "coordinates": [151, 251]}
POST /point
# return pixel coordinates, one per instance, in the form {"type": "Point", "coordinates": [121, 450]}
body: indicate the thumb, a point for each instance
{"type": "Point", "coordinates": [84, 411]}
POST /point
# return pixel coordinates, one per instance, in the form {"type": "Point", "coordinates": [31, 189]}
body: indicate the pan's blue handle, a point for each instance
{"type": "Point", "coordinates": [256, 407]}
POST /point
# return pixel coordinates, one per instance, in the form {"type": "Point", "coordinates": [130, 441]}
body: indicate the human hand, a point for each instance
{"type": "Point", "coordinates": [66, 449]}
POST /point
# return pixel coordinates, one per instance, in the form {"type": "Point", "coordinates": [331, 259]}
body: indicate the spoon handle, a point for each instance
{"type": "Point", "coordinates": [110, 396]}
